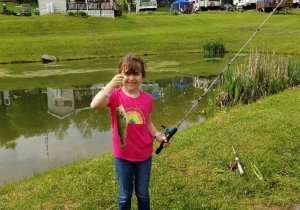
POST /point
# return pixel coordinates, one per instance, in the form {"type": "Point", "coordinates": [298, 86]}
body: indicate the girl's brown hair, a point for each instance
{"type": "Point", "coordinates": [132, 64]}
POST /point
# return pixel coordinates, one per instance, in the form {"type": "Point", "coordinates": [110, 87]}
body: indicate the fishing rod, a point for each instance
{"type": "Point", "coordinates": [171, 131]}
{"type": "Point", "coordinates": [237, 160]}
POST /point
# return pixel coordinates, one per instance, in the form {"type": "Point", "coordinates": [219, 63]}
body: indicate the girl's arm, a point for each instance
{"type": "Point", "coordinates": [102, 97]}
{"type": "Point", "coordinates": [160, 137]}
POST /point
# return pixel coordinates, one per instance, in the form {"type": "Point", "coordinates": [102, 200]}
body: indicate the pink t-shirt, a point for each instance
{"type": "Point", "coordinates": [139, 141]}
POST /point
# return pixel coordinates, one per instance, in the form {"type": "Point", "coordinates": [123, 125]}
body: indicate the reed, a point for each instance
{"type": "Point", "coordinates": [213, 49]}
{"type": "Point", "coordinates": [261, 75]}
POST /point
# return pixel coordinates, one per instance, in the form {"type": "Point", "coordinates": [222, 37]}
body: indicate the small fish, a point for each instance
{"type": "Point", "coordinates": [122, 124]}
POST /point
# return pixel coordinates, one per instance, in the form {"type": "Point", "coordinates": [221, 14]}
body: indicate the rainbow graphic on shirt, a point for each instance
{"type": "Point", "coordinates": [134, 115]}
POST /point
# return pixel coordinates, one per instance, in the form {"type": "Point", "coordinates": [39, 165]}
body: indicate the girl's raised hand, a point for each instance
{"type": "Point", "coordinates": [117, 80]}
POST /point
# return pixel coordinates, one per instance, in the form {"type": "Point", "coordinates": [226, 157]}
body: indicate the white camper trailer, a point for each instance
{"type": "Point", "coordinates": [207, 4]}
{"type": "Point", "coordinates": [244, 4]}
{"type": "Point", "coordinates": [144, 5]}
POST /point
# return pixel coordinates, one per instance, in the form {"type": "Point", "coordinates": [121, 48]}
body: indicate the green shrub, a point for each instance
{"type": "Point", "coordinates": [78, 14]}
{"type": "Point", "coordinates": [82, 14]}
{"type": "Point", "coordinates": [214, 49]}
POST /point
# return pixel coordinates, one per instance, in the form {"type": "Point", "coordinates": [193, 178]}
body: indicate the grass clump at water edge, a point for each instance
{"type": "Point", "coordinates": [214, 49]}
{"type": "Point", "coordinates": [261, 75]}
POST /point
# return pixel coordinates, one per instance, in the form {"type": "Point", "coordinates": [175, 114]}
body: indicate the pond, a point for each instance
{"type": "Point", "coordinates": [45, 117]}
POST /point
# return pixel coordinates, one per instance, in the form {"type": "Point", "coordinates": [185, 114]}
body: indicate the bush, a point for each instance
{"type": "Point", "coordinates": [82, 14]}
{"type": "Point", "coordinates": [78, 14]}
{"type": "Point", "coordinates": [260, 76]}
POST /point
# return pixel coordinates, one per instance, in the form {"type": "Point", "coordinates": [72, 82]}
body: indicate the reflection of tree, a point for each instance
{"type": "Point", "coordinates": [104, 119]}
{"type": "Point", "coordinates": [87, 120]}
{"type": "Point", "coordinates": [6, 133]}
{"type": "Point", "coordinates": [27, 115]}
{"type": "Point", "coordinates": [81, 122]}
{"type": "Point", "coordinates": [175, 104]}
{"type": "Point", "coordinates": [61, 129]}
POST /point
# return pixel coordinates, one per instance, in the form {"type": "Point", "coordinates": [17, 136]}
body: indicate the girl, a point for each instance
{"type": "Point", "coordinates": [132, 161]}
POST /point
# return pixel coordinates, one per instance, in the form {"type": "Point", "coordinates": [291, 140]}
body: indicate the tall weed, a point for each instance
{"type": "Point", "coordinates": [261, 75]}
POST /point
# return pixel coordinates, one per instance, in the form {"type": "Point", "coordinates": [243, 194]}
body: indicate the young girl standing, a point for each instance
{"type": "Point", "coordinates": [134, 159]}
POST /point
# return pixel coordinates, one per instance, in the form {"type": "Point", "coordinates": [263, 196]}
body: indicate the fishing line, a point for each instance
{"type": "Point", "coordinates": [172, 131]}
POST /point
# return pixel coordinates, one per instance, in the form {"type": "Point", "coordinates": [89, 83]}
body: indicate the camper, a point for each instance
{"type": "Point", "coordinates": [207, 4]}
{"type": "Point", "coordinates": [245, 4]}
{"type": "Point", "coordinates": [145, 5]}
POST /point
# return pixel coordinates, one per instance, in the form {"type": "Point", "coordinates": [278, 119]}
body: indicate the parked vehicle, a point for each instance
{"type": "Point", "coordinates": [227, 7]}
{"type": "Point", "coordinates": [24, 10]}
{"type": "Point", "coordinates": [207, 4]}
{"type": "Point", "coordinates": [145, 5]}
{"type": "Point", "coordinates": [245, 4]}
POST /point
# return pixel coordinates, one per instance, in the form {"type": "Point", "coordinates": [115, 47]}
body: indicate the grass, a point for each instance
{"type": "Point", "coordinates": [66, 37]}
{"type": "Point", "coordinates": [192, 173]}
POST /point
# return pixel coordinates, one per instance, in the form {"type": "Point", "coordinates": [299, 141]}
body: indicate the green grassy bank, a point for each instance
{"type": "Point", "coordinates": [66, 37]}
{"type": "Point", "coordinates": [192, 173]}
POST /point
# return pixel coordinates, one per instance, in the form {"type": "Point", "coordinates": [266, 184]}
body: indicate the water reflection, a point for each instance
{"type": "Point", "coordinates": [46, 127]}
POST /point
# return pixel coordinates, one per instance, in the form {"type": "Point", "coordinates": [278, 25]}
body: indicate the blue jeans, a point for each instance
{"type": "Point", "coordinates": [135, 174]}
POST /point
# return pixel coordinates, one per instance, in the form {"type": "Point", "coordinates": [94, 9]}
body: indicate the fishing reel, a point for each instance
{"type": "Point", "coordinates": [169, 132]}
{"type": "Point", "coordinates": [232, 166]}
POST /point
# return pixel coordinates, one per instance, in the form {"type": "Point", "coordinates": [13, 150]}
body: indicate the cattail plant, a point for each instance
{"type": "Point", "coordinates": [259, 76]}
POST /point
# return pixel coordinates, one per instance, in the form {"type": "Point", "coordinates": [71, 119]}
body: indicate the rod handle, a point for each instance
{"type": "Point", "coordinates": [169, 136]}
{"type": "Point", "coordinates": [239, 166]}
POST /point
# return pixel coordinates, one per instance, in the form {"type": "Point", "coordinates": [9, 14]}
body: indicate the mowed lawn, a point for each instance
{"type": "Point", "coordinates": [66, 37]}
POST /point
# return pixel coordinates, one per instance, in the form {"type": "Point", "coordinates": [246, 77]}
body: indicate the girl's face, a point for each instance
{"type": "Point", "coordinates": [131, 82]}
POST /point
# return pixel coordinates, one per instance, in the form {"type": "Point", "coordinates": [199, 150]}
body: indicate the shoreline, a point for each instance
{"type": "Point", "coordinates": [145, 54]}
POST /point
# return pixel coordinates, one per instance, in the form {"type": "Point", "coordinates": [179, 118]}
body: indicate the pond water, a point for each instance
{"type": "Point", "coordinates": [45, 117]}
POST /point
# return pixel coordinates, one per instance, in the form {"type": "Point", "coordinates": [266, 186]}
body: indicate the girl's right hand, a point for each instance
{"type": "Point", "coordinates": [117, 80]}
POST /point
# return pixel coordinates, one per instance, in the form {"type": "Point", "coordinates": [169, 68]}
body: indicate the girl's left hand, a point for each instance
{"type": "Point", "coordinates": [163, 138]}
